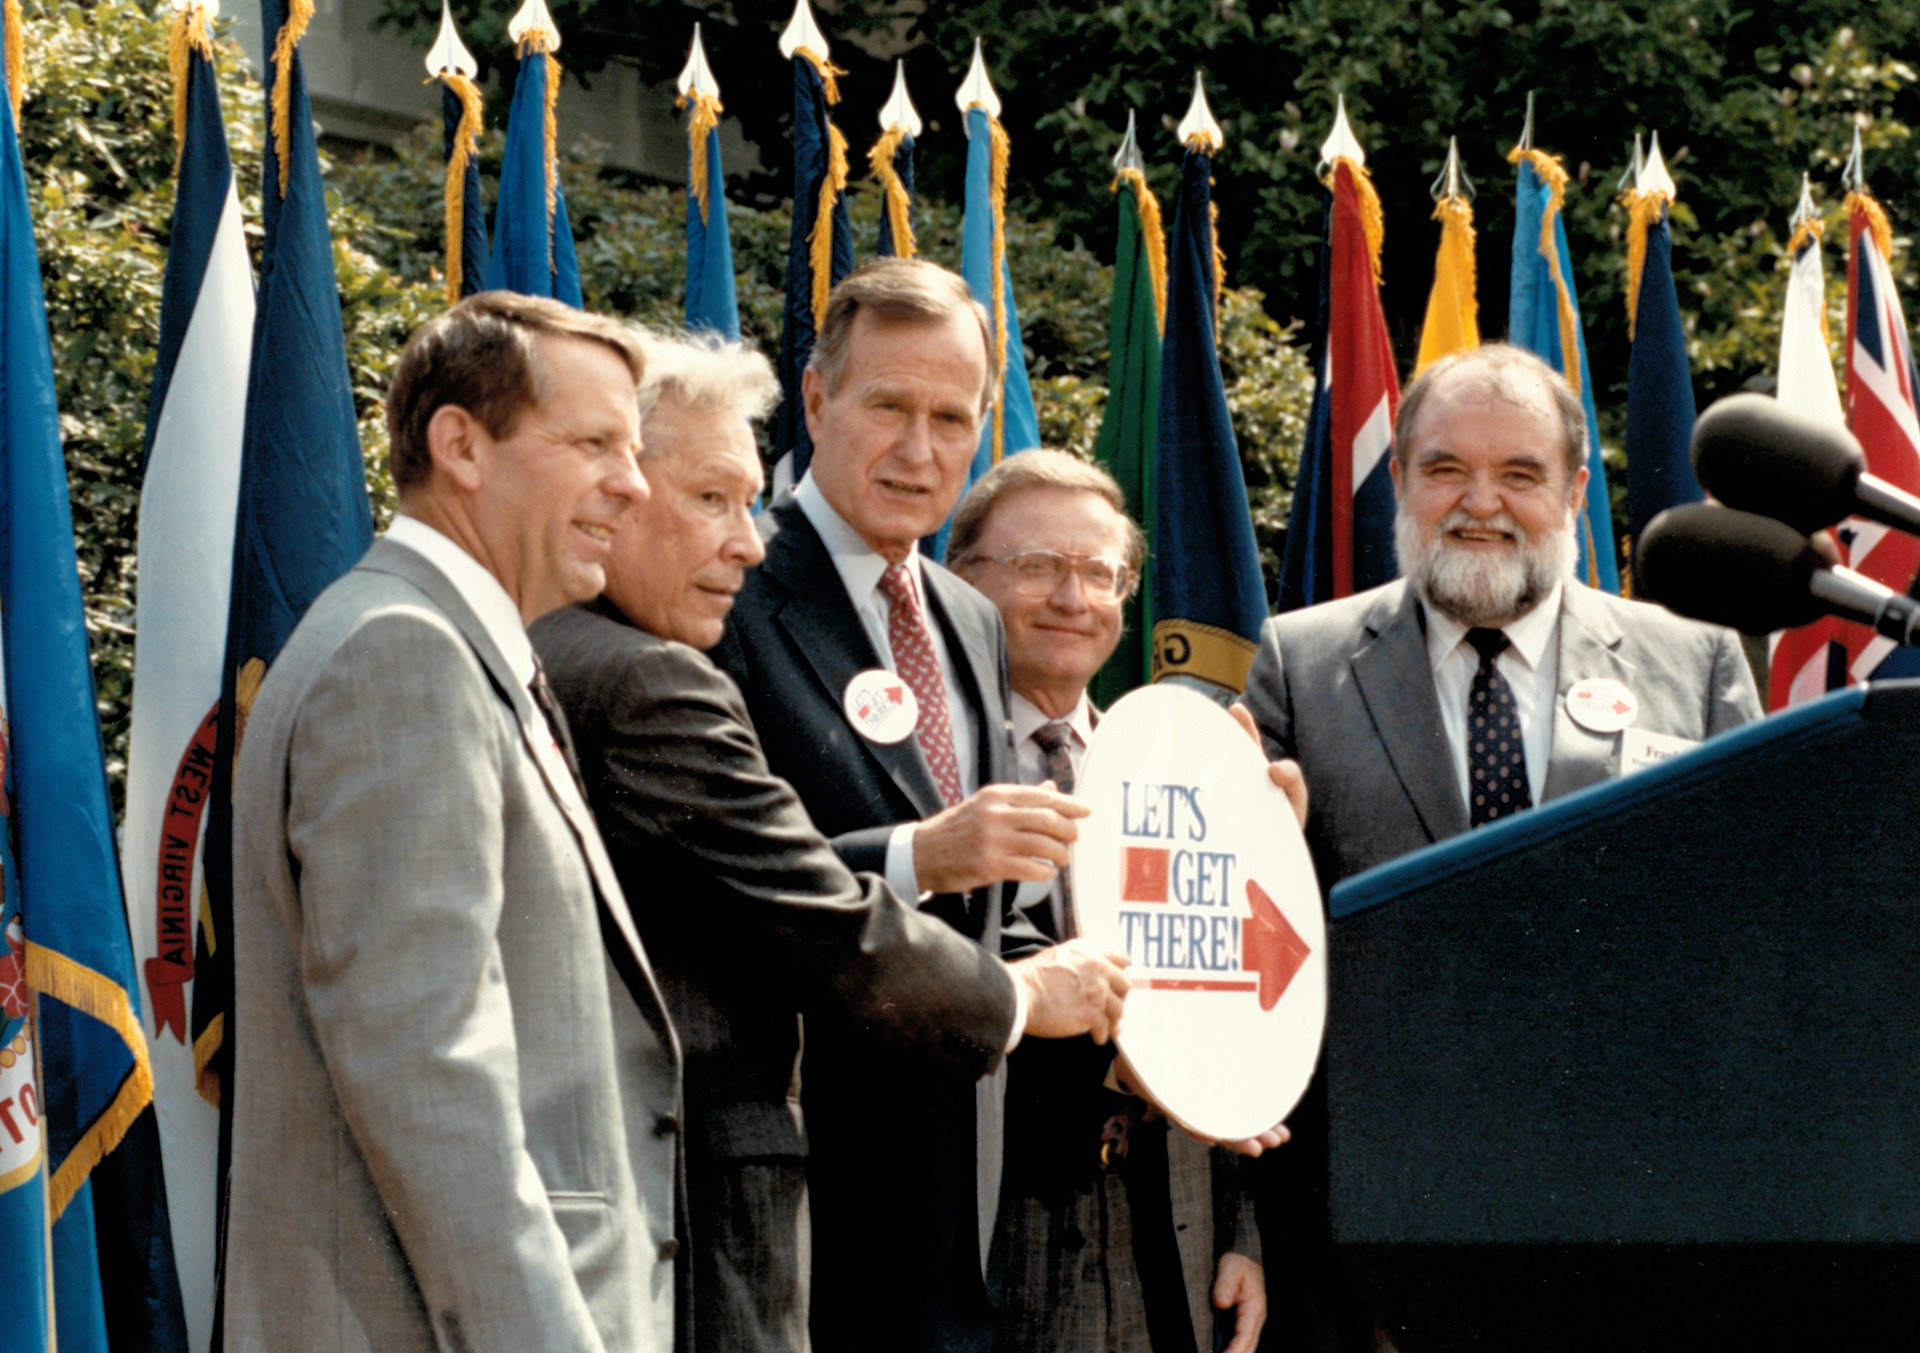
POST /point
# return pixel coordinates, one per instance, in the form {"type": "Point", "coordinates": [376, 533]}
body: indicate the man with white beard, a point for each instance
{"type": "Point", "coordinates": [1485, 680]}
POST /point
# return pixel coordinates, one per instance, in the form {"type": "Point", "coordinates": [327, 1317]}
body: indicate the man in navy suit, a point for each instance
{"type": "Point", "coordinates": [904, 1164]}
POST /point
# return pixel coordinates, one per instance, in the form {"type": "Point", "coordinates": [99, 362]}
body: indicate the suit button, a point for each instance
{"type": "Point", "coordinates": [668, 1248]}
{"type": "Point", "coordinates": [665, 1125]}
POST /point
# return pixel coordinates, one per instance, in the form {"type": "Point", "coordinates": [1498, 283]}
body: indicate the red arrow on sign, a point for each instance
{"type": "Point", "coordinates": [1270, 947]}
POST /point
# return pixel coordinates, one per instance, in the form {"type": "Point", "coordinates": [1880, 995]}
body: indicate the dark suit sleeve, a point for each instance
{"type": "Point", "coordinates": [1267, 697]}
{"type": "Point", "coordinates": [680, 773]}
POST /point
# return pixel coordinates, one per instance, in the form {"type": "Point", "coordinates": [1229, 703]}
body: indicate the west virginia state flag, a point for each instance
{"type": "Point", "coordinates": [77, 1142]}
{"type": "Point", "coordinates": [712, 304]}
{"type": "Point", "coordinates": [1209, 599]}
{"type": "Point", "coordinates": [1543, 316]}
{"type": "Point", "coordinates": [532, 242]}
{"type": "Point", "coordinates": [1340, 536]}
{"type": "Point", "coordinates": [188, 497]}
{"type": "Point", "coordinates": [303, 516]}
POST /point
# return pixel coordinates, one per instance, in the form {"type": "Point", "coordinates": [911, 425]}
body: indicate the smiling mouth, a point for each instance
{"type": "Point", "coordinates": [595, 531]}
{"type": "Point", "coordinates": [1480, 536]}
{"type": "Point", "coordinates": [895, 486]}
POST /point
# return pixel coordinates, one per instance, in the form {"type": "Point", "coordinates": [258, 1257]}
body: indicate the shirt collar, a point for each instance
{"type": "Point", "coordinates": [859, 564]}
{"type": "Point", "coordinates": [1529, 635]}
{"type": "Point", "coordinates": [1027, 718]}
{"type": "Point", "coordinates": [482, 592]}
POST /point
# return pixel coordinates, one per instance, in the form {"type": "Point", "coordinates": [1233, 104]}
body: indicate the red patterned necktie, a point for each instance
{"type": "Point", "coordinates": [914, 658]}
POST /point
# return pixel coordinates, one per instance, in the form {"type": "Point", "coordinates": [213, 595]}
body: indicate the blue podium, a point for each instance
{"type": "Point", "coordinates": [1641, 1069]}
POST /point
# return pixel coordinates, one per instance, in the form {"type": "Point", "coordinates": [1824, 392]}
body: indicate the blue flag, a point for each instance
{"type": "Point", "coordinates": [819, 253]}
{"type": "Point", "coordinates": [458, 128]}
{"type": "Point", "coordinates": [983, 262]}
{"type": "Point", "coordinates": [897, 241]}
{"type": "Point", "coordinates": [1659, 380]}
{"type": "Point", "coordinates": [303, 517]}
{"type": "Point", "coordinates": [711, 301]}
{"type": "Point", "coordinates": [532, 241]}
{"type": "Point", "coordinates": [1543, 316]}
{"type": "Point", "coordinates": [1209, 600]}
{"type": "Point", "coordinates": [65, 926]}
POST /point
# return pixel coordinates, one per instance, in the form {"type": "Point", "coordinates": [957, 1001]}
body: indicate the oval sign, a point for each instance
{"type": "Point", "coordinates": [1191, 863]}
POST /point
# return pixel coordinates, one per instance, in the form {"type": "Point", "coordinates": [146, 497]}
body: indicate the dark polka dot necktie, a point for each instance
{"type": "Point", "coordinates": [1055, 741]}
{"type": "Point", "coordinates": [1496, 754]}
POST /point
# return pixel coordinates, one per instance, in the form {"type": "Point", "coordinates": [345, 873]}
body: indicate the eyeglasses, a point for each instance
{"type": "Point", "coordinates": [1038, 573]}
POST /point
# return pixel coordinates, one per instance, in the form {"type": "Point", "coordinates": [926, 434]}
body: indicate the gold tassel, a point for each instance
{"type": "Point", "coordinates": [1372, 223]}
{"type": "Point", "coordinates": [899, 208]}
{"type": "Point", "coordinates": [1453, 318]}
{"type": "Point", "coordinates": [1643, 211]}
{"type": "Point", "coordinates": [1219, 265]}
{"type": "Point", "coordinates": [827, 71]}
{"type": "Point", "coordinates": [466, 144]}
{"type": "Point", "coordinates": [1002, 150]}
{"type": "Point", "coordinates": [1153, 235]}
{"type": "Point", "coordinates": [821, 240]}
{"type": "Point", "coordinates": [189, 35]}
{"type": "Point", "coordinates": [1864, 202]}
{"type": "Point", "coordinates": [1552, 173]}
{"type": "Point", "coordinates": [16, 58]}
{"type": "Point", "coordinates": [1809, 232]}
{"type": "Point", "coordinates": [299, 15]}
{"type": "Point", "coordinates": [704, 118]}
{"type": "Point", "coordinates": [99, 997]}
{"type": "Point", "coordinates": [205, 1079]}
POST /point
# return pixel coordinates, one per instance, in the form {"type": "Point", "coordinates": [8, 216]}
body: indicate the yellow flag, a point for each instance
{"type": "Point", "coordinates": [1453, 315]}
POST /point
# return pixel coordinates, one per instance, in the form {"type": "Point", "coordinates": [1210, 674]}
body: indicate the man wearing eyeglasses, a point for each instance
{"type": "Point", "coordinates": [1115, 1233]}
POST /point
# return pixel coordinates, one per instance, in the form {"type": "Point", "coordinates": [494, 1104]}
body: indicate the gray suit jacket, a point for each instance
{"type": "Point", "coordinates": [1346, 689]}
{"type": "Point", "coordinates": [749, 916]}
{"type": "Point", "coordinates": [455, 1085]}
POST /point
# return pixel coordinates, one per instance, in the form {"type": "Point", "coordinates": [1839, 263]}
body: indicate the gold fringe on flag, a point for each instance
{"type": "Point", "coordinates": [704, 118]}
{"type": "Point", "coordinates": [189, 35]}
{"type": "Point", "coordinates": [827, 71]}
{"type": "Point", "coordinates": [1372, 223]}
{"type": "Point", "coordinates": [1551, 172]}
{"type": "Point", "coordinates": [1002, 150]}
{"type": "Point", "coordinates": [99, 997]}
{"type": "Point", "coordinates": [466, 144]}
{"type": "Point", "coordinates": [899, 209]}
{"type": "Point", "coordinates": [1811, 232]}
{"type": "Point", "coordinates": [299, 15]}
{"type": "Point", "coordinates": [1643, 211]}
{"type": "Point", "coordinates": [1219, 265]}
{"type": "Point", "coordinates": [1153, 235]}
{"type": "Point", "coordinates": [1453, 310]}
{"type": "Point", "coordinates": [1864, 203]}
{"type": "Point", "coordinates": [16, 38]}
{"type": "Point", "coordinates": [821, 240]}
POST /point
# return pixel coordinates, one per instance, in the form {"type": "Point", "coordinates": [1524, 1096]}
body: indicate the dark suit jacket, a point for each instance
{"type": "Point", "coordinates": [748, 914]}
{"type": "Point", "coordinates": [891, 1171]}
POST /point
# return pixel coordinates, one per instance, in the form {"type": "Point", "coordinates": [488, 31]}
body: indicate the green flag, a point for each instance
{"type": "Point", "coordinates": [1127, 431]}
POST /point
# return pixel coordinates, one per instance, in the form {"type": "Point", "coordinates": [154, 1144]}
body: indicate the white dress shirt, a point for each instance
{"type": "Point", "coordinates": [860, 567]}
{"type": "Point", "coordinates": [1032, 766]}
{"type": "Point", "coordinates": [1531, 665]}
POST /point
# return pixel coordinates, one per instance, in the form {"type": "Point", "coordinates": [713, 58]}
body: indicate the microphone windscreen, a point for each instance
{"type": "Point", "coordinates": [1754, 453]}
{"type": "Point", "coordinates": [1732, 568]}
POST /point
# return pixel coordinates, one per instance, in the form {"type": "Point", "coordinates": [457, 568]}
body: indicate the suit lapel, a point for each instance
{"type": "Point", "coordinates": [386, 557]}
{"type": "Point", "coordinates": [820, 620]}
{"type": "Point", "coordinates": [1395, 681]}
{"type": "Point", "coordinates": [1589, 645]}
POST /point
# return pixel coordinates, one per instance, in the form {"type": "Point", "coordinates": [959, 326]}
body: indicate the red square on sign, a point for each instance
{"type": "Point", "coordinates": [1145, 875]}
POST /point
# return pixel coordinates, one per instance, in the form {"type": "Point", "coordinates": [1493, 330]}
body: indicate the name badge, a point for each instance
{"type": "Point", "coordinates": [1602, 705]}
{"type": "Point", "coordinates": [1640, 749]}
{"type": "Point", "coordinates": [880, 705]}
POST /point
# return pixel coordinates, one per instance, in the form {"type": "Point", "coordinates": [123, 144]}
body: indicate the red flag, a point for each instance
{"type": "Point", "coordinates": [1364, 389]}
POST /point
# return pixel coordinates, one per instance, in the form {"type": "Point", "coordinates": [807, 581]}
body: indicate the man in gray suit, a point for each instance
{"type": "Point", "coordinates": [1485, 680]}
{"type": "Point", "coordinates": [455, 1099]}
{"type": "Point", "coordinates": [751, 915]}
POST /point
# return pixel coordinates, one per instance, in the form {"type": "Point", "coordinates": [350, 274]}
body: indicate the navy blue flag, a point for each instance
{"type": "Point", "coordinates": [896, 221]}
{"type": "Point", "coordinates": [712, 302]}
{"type": "Point", "coordinates": [1209, 600]}
{"type": "Point", "coordinates": [1659, 381]}
{"type": "Point", "coordinates": [78, 1149]}
{"type": "Point", "coordinates": [532, 240]}
{"type": "Point", "coordinates": [303, 517]}
{"type": "Point", "coordinates": [819, 252]}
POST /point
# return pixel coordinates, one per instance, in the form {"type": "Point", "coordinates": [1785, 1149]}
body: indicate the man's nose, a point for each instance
{"type": "Point", "coordinates": [1482, 496]}
{"type": "Point", "coordinates": [1071, 594]}
{"type": "Point", "coordinates": [915, 444]}
{"type": "Point", "coordinates": [630, 482]}
{"type": "Point", "coordinates": [743, 545]}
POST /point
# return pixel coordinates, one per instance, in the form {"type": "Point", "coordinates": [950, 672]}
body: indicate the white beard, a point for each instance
{"type": "Point", "coordinates": [1475, 587]}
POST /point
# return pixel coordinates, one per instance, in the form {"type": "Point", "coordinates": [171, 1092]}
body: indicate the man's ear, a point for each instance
{"type": "Point", "coordinates": [1393, 471]}
{"type": "Point", "coordinates": [813, 399]}
{"type": "Point", "coordinates": [459, 446]}
{"type": "Point", "coordinates": [1577, 496]}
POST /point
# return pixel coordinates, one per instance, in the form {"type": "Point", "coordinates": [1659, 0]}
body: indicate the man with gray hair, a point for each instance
{"type": "Point", "coordinates": [1486, 679]}
{"type": "Point", "coordinates": [745, 909]}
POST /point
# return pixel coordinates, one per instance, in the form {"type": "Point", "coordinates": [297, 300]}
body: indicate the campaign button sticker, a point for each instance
{"type": "Point", "coordinates": [880, 706]}
{"type": "Point", "coordinates": [1602, 705]}
{"type": "Point", "coordinates": [1191, 863]}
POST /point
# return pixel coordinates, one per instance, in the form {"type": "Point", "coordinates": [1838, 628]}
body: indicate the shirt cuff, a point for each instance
{"type": "Point", "coordinates": [1019, 1010]}
{"type": "Point", "coordinates": [901, 876]}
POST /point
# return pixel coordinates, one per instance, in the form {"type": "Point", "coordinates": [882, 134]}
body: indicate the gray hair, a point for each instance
{"type": "Point", "coordinates": [704, 372]}
{"type": "Point", "coordinates": [909, 290]}
{"type": "Point", "coordinates": [1507, 369]}
{"type": "Point", "coordinates": [1037, 469]}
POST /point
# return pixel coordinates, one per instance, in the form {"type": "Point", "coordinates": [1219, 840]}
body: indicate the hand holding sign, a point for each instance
{"type": "Point", "coordinates": [1003, 832]}
{"type": "Point", "coordinates": [1073, 988]}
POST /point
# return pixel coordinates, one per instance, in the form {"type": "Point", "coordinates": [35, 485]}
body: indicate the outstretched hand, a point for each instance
{"type": "Point", "coordinates": [1285, 774]}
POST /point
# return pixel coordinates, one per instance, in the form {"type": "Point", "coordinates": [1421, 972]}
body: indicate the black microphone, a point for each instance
{"type": "Point", "coordinates": [1757, 574]}
{"type": "Point", "coordinates": [1752, 452]}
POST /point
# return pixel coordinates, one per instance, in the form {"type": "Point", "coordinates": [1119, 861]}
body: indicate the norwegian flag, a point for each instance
{"type": "Point", "coordinates": [1881, 412]}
